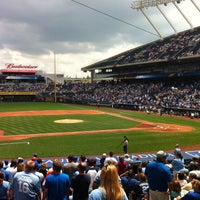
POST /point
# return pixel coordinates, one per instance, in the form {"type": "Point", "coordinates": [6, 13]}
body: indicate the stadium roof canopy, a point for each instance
{"type": "Point", "coordinates": [140, 60]}
{"type": "Point", "coordinates": [174, 54]}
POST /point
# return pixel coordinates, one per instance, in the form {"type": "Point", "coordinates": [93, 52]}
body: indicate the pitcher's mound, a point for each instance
{"type": "Point", "coordinates": [68, 121]}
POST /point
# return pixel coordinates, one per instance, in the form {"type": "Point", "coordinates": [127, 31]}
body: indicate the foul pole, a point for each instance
{"type": "Point", "coordinates": [55, 91]}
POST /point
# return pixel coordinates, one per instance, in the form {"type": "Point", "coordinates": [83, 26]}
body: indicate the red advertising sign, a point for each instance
{"type": "Point", "coordinates": [12, 66]}
{"type": "Point", "coordinates": [19, 69]}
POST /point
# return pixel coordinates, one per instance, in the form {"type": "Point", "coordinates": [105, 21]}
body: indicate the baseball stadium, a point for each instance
{"type": "Point", "coordinates": [151, 94]}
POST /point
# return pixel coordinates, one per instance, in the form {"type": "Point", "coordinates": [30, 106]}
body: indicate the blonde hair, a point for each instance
{"type": "Point", "coordinates": [176, 186]}
{"type": "Point", "coordinates": [20, 167]}
{"type": "Point", "coordinates": [196, 185]}
{"type": "Point", "coordinates": [111, 186]}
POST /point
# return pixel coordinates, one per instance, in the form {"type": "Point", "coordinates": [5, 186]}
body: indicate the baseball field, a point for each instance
{"type": "Point", "coordinates": [55, 130]}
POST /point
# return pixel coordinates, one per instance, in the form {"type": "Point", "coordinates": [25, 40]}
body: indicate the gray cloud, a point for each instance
{"type": "Point", "coordinates": [41, 26]}
{"type": "Point", "coordinates": [34, 26]}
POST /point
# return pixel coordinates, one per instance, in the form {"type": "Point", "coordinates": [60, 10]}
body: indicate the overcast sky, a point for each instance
{"type": "Point", "coordinates": [81, 33]}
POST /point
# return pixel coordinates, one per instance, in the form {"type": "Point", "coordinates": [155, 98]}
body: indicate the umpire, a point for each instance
{"type": "Point", "coordinates": [125, 145]}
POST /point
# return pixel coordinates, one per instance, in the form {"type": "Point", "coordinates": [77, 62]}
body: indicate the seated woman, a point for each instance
{"type": "Point", "coordinates": [192, 194]}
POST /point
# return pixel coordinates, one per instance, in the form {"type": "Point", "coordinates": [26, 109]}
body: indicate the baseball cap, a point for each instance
{"type": "Point", "coordinates": [161, 154]}
{"type": "Point", "coordinates": [20, 159]}
{"type": "Point", "coordinates": [126, 155]}
{"type": "Point", "coordinates": [104, 155]}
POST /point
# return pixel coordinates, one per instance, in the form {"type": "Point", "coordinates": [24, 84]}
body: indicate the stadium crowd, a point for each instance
{"type": "Point", "coordinates": [112, 177]}
{"type": "Point", "coordinates": [143, 96]}
{"type": "Point", "coordinates": [151, 96]}
{"type": "Point", "coordinates": [183, 44]}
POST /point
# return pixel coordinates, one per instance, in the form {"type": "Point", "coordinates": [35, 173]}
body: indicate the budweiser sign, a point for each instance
{"type": "Point", "coordinates": [12, 66]}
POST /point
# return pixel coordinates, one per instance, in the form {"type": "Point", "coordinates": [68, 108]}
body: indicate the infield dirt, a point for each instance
{"type": "Point", "coordinates": [144, 125]}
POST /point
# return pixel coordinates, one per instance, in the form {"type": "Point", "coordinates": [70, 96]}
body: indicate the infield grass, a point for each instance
{"type": "Point", "coordinates": [87, 144]}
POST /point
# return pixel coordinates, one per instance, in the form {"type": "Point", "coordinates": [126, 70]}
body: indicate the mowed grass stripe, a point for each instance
{"type": "Point", "coordinates": [45, 124]}
{"type": "Point", "coordinates": [140, 141]}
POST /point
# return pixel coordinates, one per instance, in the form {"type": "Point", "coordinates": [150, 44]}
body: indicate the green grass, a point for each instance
{"type": "Point", "coordinates": [140, 141]}
{"type": "Point", "coordinates": [46, 124]}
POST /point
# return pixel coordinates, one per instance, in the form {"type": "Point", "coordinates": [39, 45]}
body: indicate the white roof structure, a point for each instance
{"type": "Point", "coordinates": [141, 5]}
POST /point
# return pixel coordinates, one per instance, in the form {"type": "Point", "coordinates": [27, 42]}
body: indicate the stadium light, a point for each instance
{"type": "Point", "coordinates": [138, 4]}
{"type": "Point", "coordinates": [141, 5]}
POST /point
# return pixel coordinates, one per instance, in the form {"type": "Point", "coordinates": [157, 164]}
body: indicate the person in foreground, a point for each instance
{"type": "Point", "coordinates": [159, 178]}
{"type": "Point", "coordinates": [57, 184]}
{"type": "Point", "coordinates": [26, 185]}
{"type": "Point", "coordinates": [192, 194]}
{"type": "Point", "coordinates": [111, 188]}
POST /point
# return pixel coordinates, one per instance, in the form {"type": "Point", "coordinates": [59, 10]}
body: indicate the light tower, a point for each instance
{"type": "Point", "coordinates": [141, 5]}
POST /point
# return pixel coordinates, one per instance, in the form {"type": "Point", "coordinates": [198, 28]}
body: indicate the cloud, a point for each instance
{"type": "Point", "coordinates": [80, 33]}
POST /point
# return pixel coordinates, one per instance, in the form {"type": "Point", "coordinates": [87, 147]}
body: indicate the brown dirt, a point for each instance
{"type": "Point", "coordinates": [145, 125]}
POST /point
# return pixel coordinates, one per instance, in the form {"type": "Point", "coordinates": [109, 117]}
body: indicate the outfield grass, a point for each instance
{"type": "Point", "coordinates": [140, 141]}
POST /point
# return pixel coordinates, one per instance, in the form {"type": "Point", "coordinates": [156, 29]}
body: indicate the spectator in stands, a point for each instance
{"type": "Point", "coordinates": [92, 171]}
{"type": "Point", "coordinates": [181, 177]}
{"type": "Point", "coordinates": [192, 194]}
{"type": "Point", "coordinates": [39, 175]}
{"type": "Point", "coordinates": [159, 178]}
{"type": "Point", "coordinates": [57, 184]}
{"type": "Point", "coordinates": [97, 180]}
{"type": "Point", "coordinates": [13, 167]}
{"type": "Point", "coordinates": [111, 188]}
{"type": "Point", "coordinates": [102, 160]}
{"type": "Point", "coordinates": [6, 164]}
{"type": "Point", "coordinates": [121, 165]}
{"type": "Point", "coordinates": [177, 149]}
{"type": "Point", "coordinates": [8, 176]}
{"type": "Point", "coordinates": [128, 160]}
{"type": "Point", "coordinates": [25, 184]}
{"type": "Point", "coordinates": [176, 189]}
{"type": "Point", "coordinates": [131, 185]}
{"type": "Point", "coordinates": [111, 157]}
{"type": "Point", "coordinates": [136, 170]}
{"type": "Point", "coordinates": [43, 169]}
{"type": "Point", "coordinates": [82, 159]}
{"type": "Point", "coordinates": [20, 167]}
{"type": "Point", "coordinates": [80, 184]}
{"type": "Point", "coordinates": [4, 187]}
{"type": "Point", "coordinates": [194, 164]}
{"type": "Point", "coordinates": [178, 164]}
{"type": "Point", "coordinates": [188, 186]}
{"type": "Point", "coordinates": [70, 167]}
{"type": "Point", "coordinates": [143, 183]}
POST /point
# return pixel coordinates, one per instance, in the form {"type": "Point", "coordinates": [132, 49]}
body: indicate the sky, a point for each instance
{"type": "Point", "coordinates": [74, 34]}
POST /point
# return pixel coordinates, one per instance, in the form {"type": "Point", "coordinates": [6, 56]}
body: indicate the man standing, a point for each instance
{"type": "Point", "coordinates": [70, 167]}
{"type": "Point", "coordinates": [159, 178]}
{"type": "Point", "coordinates": [26, 185]}
{"type": "Point", "coordinates": [125, 145]}
{"type": "Point", "coordinates": [80, 183]}
{"type": "Point", "coordinates": [57, 184]}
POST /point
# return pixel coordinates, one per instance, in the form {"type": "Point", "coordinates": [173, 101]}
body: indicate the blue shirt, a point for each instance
{"type": "Point", "coordinates": [158, 176]}
{"type": "Point", "coordinates": [177, 164]}
{"type": "Point", "coordinates": [3, 189]}
{"type": "Point", "coordinates": [191, 195]}
{"type": "Point", "coordinates": [8, 176]}
{"type": "Point", "coordinates": [98, 195]}
{"type": "Point", "coordinates": [57, 185]}
{"type": "Point", "coordinates": [26, 186]}
{"type": "Point", "coordinates": [128, 182]}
